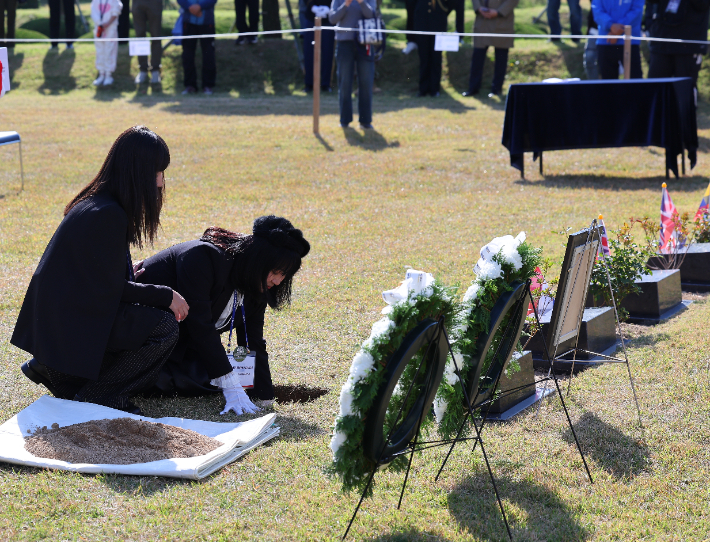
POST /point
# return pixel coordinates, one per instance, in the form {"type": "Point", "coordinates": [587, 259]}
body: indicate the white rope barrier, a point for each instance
{"type": "Point", "coordinates": [234, 35]}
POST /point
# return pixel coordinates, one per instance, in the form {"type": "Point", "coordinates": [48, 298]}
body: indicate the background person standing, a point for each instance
{"type": "Point", "coordinates": [198, 20]}
{"type": "Point", "coordinates": [429, 16]}
{"type": "Point", "coordinates": [307, 19]}
{"type": "Point", "coordinates": [679, 19]}
{"type": "Point", "coordinates": [492, 17]}
{"type": "Point", "coordinates": [351, 55]}
{"type": "Point", "coordinates": [148, 15]}
{"type": "Point", "coordinates": [11, 7]}
{"type": "Point", "coordinates": [611, 17]}
{"type": "Point", "coordinates": [575, 18]}
{"type": "Point", "coordinates": [240, 8]}
{"type": "Point", "coordinates": [55, 9]}
{"type": "Point", "coordinates": [105, 13]}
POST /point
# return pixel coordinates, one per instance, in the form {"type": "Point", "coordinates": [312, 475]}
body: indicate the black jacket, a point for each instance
{"type": "Point", "coordinates": [431, 15]}
{"type": "Point", "coordinates": [690, 22]}
{"type": "Point", "coordinates": [80, 291]}
{"type": "Point", "coordinates": [201, 273]}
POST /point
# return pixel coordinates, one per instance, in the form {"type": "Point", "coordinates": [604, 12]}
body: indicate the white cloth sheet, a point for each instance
{"type": "Point", "coordinates": [238, 439]}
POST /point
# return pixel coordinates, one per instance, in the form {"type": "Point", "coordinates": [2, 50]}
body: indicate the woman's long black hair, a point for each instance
{"type": "Point", "coordinates": [129, 175]}
{"type": "Point", "coordinates": [274, 245]}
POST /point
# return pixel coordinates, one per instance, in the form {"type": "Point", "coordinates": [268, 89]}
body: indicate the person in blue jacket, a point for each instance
{"type": "Point", "coordinates": [612, 16]}
{"type": "Point", "coordinates": [198, 19]}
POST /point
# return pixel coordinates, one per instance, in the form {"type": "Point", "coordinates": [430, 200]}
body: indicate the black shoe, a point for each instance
{"type": "Point", "coordinates": [38, 374]}
{"type": "Point", "coordinates": [241, 40]}
{"type": "Point", "coordinates": [326, 89]}
{"type": "Point", "coordinates": [469, 93]}
{"type": "Point", "coordinates": [435, 94]}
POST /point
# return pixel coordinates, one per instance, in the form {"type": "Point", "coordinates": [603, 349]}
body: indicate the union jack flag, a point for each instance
{"type": "Point", "coordinates": [604, 242]}
{"type": "Point", "coordinates": [668, 239]}
{"type": "Point", "coordinates": [704, 204]}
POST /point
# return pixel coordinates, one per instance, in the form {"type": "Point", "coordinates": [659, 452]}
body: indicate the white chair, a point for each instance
{"type": "Point", "coordinates": [7, 138]}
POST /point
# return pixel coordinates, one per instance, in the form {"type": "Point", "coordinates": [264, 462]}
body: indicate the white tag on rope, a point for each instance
{"type": "Point", "coordinates": [139, 48]}
{"type": "Point", "coordinates": [443, 42]}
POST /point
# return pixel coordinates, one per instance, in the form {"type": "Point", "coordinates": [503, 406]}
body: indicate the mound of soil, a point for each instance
{"type": "Point", "coordinates": [297, 394]}
{"type": "Point", "coordinates": [117, 442]}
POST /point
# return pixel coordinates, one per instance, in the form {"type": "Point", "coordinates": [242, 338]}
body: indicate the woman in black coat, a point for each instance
{"type": "Point", "coordinates": [212, 273]}
{"type": "Point", "coordinates": [95, 334]}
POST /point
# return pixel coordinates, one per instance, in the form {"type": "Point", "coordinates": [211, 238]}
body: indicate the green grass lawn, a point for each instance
{"type": "Point", "coordinates": [426, 189]}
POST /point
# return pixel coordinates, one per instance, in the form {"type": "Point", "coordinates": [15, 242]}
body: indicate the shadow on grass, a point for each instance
{"type": "Point", "coordinates": [618, 454]}
{"type": "Point", "coordinates": [649, 340]}
{"type": "Point", "coordinates": [602, 182]}
{"type": "Point", "coordinates": [56, 68]}
{"type": "Point", "coordinates": [536, 512]}
{"type": "Point", "coordinates": [294, 429]}
{"type": "Point", "coordinates": [15, 60]}
{"type": "Point", "coordinates": [370, 140]}
{"type": "Point", "coordinates": [410, 535]}
{"type": "Point", "coordinates": [139, 486]}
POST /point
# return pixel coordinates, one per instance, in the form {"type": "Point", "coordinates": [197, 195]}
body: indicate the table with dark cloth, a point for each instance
{"type": "Point", "coordinates": [598, 114]}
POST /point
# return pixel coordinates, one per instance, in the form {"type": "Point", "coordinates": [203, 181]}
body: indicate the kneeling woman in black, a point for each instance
{"type": "Point", "coordinates": [221, 269]}
{"type": "Point", "coordinates": [95, 334]}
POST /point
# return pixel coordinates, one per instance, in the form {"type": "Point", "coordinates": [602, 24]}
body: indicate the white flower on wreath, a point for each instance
{"type": "Point", "coordinates": [380, 330]}
{"type": "Point", "coordinates": [346, 399]}
{"type": "Point", "coordinates": [472, 292]}
{"type": "Point", "coordinates": [337, 441]}
{"type": "Point", "coordinates": [360, 367]}
{"type": "Point", "coordinates": [510, 254]}
{"type": "Point", "coordinates": [450, 375]}
{"type": "Point", "coordinates": [488, 270]}
{"type": "Point", "coordinates": [440, 407]}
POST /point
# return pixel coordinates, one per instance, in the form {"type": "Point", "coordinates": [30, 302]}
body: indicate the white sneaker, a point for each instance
{"type": "Point", "coordinates": [108, 80]}
{"type": "Point", "coordinates": [155, 78]}
{"type": "Point", "coordinates": [411, 46]}
{"type": "Point", "coordinates": [142, 77]}
{"type": "Point", "coordinates": [99, 80]}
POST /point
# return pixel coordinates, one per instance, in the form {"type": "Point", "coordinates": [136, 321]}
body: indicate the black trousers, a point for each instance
{"type": "Point", "coordinates": [124, 373]}
{"type": "Point", "coordinates": [55, 8]}
{"type": "Point", "coordinates": [410, 5]}
{"type": "Point", "coordinates": [240, 6]}
{"type": "Point", "coordinates": [326, 58]}
{"type": "Point", "coordinates": [189, 48]}
{"type": "Point", "coordinates": [429, 65]}
{"type": "Point", "coordinates": [124, 21]}
{"type": "Point", "coordinates": [458, 6]}
{"type": "Point", "coordinates": [478, 59]}
{"type": "Point", "coordinates": [609, 57]}
{"type": "Point", "coordinates": [686, 65]}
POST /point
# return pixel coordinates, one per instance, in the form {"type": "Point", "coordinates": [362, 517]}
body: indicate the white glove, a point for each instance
{"type": "Point", "coordinates": [238, 401]}
{"type": "Point", "coordinates": [320, 11]}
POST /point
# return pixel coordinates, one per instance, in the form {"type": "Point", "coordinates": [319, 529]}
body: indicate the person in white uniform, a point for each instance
{"type": "Point", "coordinates": [105, 14]}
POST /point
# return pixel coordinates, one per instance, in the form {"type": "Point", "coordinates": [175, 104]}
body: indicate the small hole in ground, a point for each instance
{"type": "Point", "coordinates": [297, 394]}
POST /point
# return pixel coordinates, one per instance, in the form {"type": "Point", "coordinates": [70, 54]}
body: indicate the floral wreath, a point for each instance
{"type": "Point", "coordinates": [420, 296]}
{"type": "Point", "coordinates": [503, 261]}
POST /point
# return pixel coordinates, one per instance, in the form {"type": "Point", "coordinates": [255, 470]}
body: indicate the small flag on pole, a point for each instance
{"type": "Point", "coordinates": [667, 239]}
{"type": "Point", "coordinates": [704, 204]}
{"type": "Point", "coordinates": [604, 244]}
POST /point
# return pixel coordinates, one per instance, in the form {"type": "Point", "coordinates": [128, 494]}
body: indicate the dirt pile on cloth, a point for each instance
{"type": "Point", "coordinates": [117, 442]}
